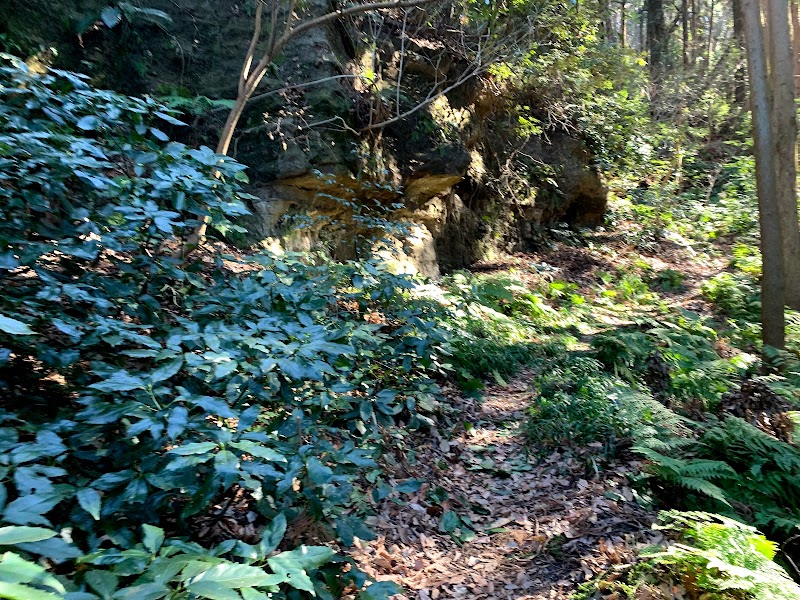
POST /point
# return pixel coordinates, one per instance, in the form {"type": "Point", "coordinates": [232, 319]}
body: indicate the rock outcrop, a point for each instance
{"type": "Point", "coordinates": [451, 183]}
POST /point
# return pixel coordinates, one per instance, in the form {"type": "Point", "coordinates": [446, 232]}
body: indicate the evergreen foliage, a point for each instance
{"type": "Point", "coordinates": [139, 391]}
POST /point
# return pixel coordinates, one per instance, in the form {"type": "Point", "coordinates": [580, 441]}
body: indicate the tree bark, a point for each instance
{"type": "Point", "coordinates": [656, 37]}
{"type": "Point", "coordinates": [685, 31]}
{"type": "Point", "coordinates": [784, 138]}
{"type": "Point", "coordinates": [623, 24]}
{"type": "Point", "coordinates": [773, 322]}
{"type": "Point", "coordinates": [710, 46]}
{"type": "Point", "coordinates": [795, 7]}
{"type": "Point", "coordinates": [693, 51]}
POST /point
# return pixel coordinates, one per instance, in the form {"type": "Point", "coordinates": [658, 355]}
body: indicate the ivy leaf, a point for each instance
{"type": "Point", "coordinates": [89, 500]}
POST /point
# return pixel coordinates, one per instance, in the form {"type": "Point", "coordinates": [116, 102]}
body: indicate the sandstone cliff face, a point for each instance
{"type": "Point", "coordinates": [458, 176]}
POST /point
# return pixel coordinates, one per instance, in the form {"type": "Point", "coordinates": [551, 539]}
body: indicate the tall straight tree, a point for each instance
{"type": "Point", "coordinates": [773, 320]}
{"type": "Point", "coordinates": [784, 139]}
{"type": "Point", "coordinates": [656, 37]}
{"type": "Point", "coordinates": [795, 8]}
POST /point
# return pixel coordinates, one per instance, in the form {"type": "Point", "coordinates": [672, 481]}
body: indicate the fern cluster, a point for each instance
{"type": "Point", "coordinates": [743, 471]}
{"type": "Point", "coordinates": [713, 557]}
{"type": "Point", "coordinates": [721, 558]}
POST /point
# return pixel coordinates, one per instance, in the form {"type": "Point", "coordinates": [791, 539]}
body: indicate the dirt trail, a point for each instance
{"type": "Point", "coordinates": [540, 526]}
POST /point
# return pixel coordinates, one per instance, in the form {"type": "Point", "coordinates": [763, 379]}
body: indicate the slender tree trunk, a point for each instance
{"type": "Point", "coordinates": [607, 23]}
{"type": "Point", "coordinates": [784, 134]}
{"type": "Point", "coordinates": [693, 51]}
{"type": "Point", "coordinates": [685, 31]}
{"type": "Point", "coordinates": [795, 6]}
{"type": "Point", "coordinates": [710, 46]}
{"type": "Point", "coordinates": [623, 24]}
{"type": "Point", "coordinates": [656, 37]}
{"type": "Point", "coordinates": [772, 286]}
{"type": "Point", "coordinates": [739, 87]}
{"type": "Point", "coordinates": [642, 37]}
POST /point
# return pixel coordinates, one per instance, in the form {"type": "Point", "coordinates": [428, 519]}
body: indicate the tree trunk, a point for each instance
{"type": "Point", "coordinates": [784, 139]}
{"type": "Point", "coordinates": [772, 290]}
{"type": "Point", "coordinates": [685, 31]}
{"type": "Point", "coordinates": [656, 37]}
{"type": "Point", "coordinates": [795, 6]}
{"type": "Point", "coordinates": [693, 52]}
{"type": "Point", "coordinates": [710, 46]}
{"type": "Point", "coordinates": [623, 24]}
{"type": "Point", "coordinates": [739, 87]}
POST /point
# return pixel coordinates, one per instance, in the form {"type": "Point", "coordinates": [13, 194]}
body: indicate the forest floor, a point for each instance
{"type": "Point", "coordinates": [495, 518]}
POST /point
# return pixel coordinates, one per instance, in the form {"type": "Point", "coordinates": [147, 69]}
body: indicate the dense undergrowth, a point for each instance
{"type": "Point", "coordinates": [216, 428]}
{"type": "Point", "coordinates": [143, 398]}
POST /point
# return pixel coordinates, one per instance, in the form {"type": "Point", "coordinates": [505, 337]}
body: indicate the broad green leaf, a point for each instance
{"type": "Point", "coordinates": [89, 500]}
{"type": "Point", "coordinates": [18, 591]}
{"type": "Point", "coordinates": [31, 509]}
{"type": "Point", "coordinates": [165, 371]}
{"type": "Point", "coordinates": [177, 422]}
{"type": "Point", "coordinates": [152, 537]}
{"type": "Point", "coordinates": [380, 590]}
{"type": "Point", "coordinates": [259, 451]}
{"type": "Point", "coordinates": [213, 590]}
{"type": "Point", "coordinates": [89, 123]}
{"type": "Point", "coordinates": [449, 522]}
{"type": "Point", "coordinates": [20, 535]}
{"type": "Point", "coordinates": [293, 565]}
{"type": "Point", "coordinates": [121, 381]}
{"type": "Point", "coordinates": [273, 534]}
{"type": "Point", "coordinates": [234, 575]}
{"type": "Point", "coordinates": [104, 583]}
{"type": "Point", "coordinates": [194, 448]}
{"type": "Point", "coordinates": [14, 327]}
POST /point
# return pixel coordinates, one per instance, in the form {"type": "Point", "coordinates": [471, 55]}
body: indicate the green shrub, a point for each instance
{"type": "Point", "coordinates": [713, 557]}
{"type": "Point", "coordinates": [720, 556]}
{"type": "Point", "coordinates": [734, 468]}
{"type": "Point", "coordinates": [736, 295]}
{"type": "Point", "coordinates": [579, 404]}
{"type": "Point", "coordinates": [139, 392]}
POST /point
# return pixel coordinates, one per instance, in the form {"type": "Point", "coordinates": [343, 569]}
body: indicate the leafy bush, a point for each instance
{"type": "Point", "coordinates": [739, 469]}
{"type": "Point", "coordinates": [579, 404]}
{"type": "Point", "coordinates": [686, 343]}
{"type": "Point", "coordinates": [141, 392]}
{"type": "Point", "coordinates": [709, 555]}
{"type": "Point", "coordinates": [497, 326]}
{"type": "Point", "coordinates": [736, 295]}
{"type": "Point", "coordinates": [721, 556]}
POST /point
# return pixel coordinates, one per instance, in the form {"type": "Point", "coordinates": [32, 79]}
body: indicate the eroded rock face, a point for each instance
{"type": "Point", "coordinates": [468, 185]}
